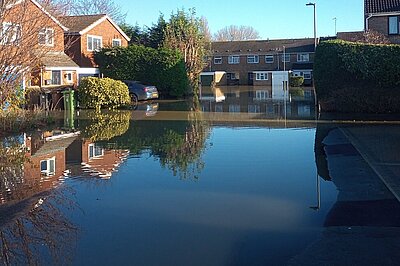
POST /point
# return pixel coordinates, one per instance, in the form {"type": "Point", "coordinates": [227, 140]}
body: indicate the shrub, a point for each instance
{"type": "Point", "coordinates": [296, 81]}
{"type": "Point", "coordinates": [97, 93]}
{"type": "Point", "coordinates": [356, 77]}
{"type": "Point", "coordinates": [161, 67]}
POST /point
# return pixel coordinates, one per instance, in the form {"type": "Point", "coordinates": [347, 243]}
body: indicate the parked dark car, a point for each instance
{"type": "Point", "coordinates": [141, 92]}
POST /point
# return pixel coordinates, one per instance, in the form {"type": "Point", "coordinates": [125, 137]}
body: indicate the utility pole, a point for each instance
{"type": "Point", "coordinates": [335, 19]}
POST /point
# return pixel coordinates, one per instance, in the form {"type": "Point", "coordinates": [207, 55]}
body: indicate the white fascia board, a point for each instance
{"type": "Point", "coordinates": [49, 15]}
{"type": "Point", "coordinates": [106, 17]}
{"type": "Point", "coordinates": [62, 68]}
{"type": "Point", "coordinates": [88, 70]}
{"type": "Point", "coordinates": [383, 14]}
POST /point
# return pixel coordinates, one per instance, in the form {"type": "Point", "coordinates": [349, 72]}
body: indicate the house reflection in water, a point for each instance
{"type": "Point", "coordinates": [50, 158]}
{"type": "Point", "coordinates": [258, 100]}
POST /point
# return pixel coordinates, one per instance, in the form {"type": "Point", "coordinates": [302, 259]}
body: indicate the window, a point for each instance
{"type": "Point", "coordinates": [56, 77]}
{"type": "Point", "coordinates": [307, 75]}
{"type": "Point", "coordinates": [69, 77]}
{"type": "Point", "coordinates": [262, 95]}
{"type": "Point", "coordinates": [233, 59]}
{"type": "Point", "coordinates": [95, 151]}
{"type": "Point", "coordinates": [231, 76]}
{"type": "Point", "coordinates": [269, 59]}
{"type": "Point", "coordinates": [46, 37]}
{"type": "Point", "coordinates": [252, 59]}
{"type": "Point", "coordinates": [116, 42]}
{"type": "Point", "coordinates": [217, 60]}
{"type": "Point", "coordinates": [304, 57]}
{"type": "Point", "coordinates": [262, 76]}
{"type": "Point", "coordinates": [94, 43]}
{"type": "Point", "coordinates": [393, 25]}
{"type": "Point", "coordinates": [286, 58]}
{"type": "Point", "coordinates": [48, 167]}
{"type": "Point", "coordinates": [234, 108]}
{"type": "Point", "coordinates": [10, 34]}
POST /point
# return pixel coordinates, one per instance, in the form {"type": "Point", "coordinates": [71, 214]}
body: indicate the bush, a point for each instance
{"type": "Point", "coordinates": [97, 93]}
{"type": "Point", "coordinates": [356, 77]}
{"type": "Point", "coordinates": [296, 81]}
{"type": "Point", "coordinates": [162, 67]}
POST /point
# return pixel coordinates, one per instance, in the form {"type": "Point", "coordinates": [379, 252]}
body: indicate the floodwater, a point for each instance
{"type": "Point", "coordinates": [242, 179]}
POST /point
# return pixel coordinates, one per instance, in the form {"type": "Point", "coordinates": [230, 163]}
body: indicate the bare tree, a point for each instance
{"type": "Point", "coordinates": [91, 7]}
{"type": "Point", "coordinates": [20, 51]}
{"type": "Point", "coordinates": [374, 37]}
{"type": "Point", "coordinates": [237, 33]}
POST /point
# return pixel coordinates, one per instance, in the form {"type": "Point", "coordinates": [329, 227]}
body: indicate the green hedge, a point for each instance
{"type": "Point", "coordinates": [97, 93]}
{"type": "Point", "coordinates": [296, 81]}
{"type": "Point", "coordinates": [355, 77]}
{"type": "Point", "coordinates": [162, 67]}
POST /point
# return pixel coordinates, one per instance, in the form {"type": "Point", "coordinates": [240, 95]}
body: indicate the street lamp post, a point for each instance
{"type": "Point", "coordinates": [315, 23]}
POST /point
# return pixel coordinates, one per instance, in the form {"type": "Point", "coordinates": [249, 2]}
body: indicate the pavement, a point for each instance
{"type": "Point", "coordinates": [363, 227]}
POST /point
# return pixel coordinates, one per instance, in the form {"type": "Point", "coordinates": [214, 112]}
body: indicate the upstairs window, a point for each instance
{"type": "Point", "coordinates": [304, 57]}
{"type": "Point", "coordinates": [286, 58]}
{"type": "Point", "coordinates": [262, 76]}
{"type": "Point", "coordinates": [94, 43]}
{"type": "Point", "coordinates": [46, 37]}
{"type": "Point", "coordinates": [233, 59]}
{"type": "Point", "coordinates": [10, 34]}
{"type": "Point", "coordinates": [217, 60]}
{"type": "Point", "coordinates": [269, 59]}
{"type": "Point", "coordinates": [116, 43]}
{"type": "Point", "coordinates": [393, 25]}
{"type": "Point", "coordinates": [253, 59]}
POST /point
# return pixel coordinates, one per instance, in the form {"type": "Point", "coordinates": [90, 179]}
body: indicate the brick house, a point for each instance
{"type": "Point", "coordinates": [44, 32]}
{"type": "Point", "coordinates": [383, 16]}
{"type": "Point", "coordinates": [86, 35]}
{"type": "Point", "coordinates": [253, 62]}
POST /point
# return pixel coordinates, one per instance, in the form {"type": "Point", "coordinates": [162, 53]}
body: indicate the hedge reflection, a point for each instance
{"type": "Point", "coordinates": [178, 145]}
{"type": "Point", "coordinates": [105, 125]}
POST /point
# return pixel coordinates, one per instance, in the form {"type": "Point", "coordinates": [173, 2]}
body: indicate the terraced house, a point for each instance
{"type": "Point", "coordinates": [383, 16]}
{"type": "Point", "coordinates": [253, 62]}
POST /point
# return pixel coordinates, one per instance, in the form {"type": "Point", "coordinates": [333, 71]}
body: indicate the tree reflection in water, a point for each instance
{"type": "Point", "coordinates": [33, 227]}
{"type": "Point", "coordinates": [178, 145]}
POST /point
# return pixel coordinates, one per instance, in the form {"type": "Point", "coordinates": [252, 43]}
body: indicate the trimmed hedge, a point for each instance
{"type": "Point", "coordinates": [356, 77]}
{"type": "Point", "coordinates": [97, 93]}
{"type": "Point", "coordinates": [296, 81]}
{"type": "Point", "coordinates": [161, 67]}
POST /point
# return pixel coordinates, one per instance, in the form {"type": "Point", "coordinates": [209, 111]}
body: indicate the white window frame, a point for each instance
{"type": "Point", "coordinates": [286, 58]}
{"type": "Point", "coordinates": [48, 171]}
{"type": "Point", "coordinates": [234, 59]}
{"type": "Point", "coordinates": [95, 155]}
{"type": "Point", "coordinates": [303, 57]}
{"type": "Point", "coordinates": [6, 38]}
{"type": "Point", "coordinates": [69, 74]}
{"type": "Point", "coordinates": [262, 95]}
{"type": "Point", "coordinates": [261, 76]}
{"type": "Point", "coordinates": [48, 36]}
{"type": "Point", "coordinates": [217, 60]}
{"type": "Point", "coordinates": [253, 59]}
{"type": "Point", "coordinates": [61, 79]}
{"type": "Point", "coordinates": [269, 56]}
{"type": "Point", "coordinates": [232, 75]}
{"type": "Point", "coordinates": [116, 40]}
{"type": "Point", "coordinates": [92, 48]}
{"type": "Point", "coordinates": [307, 75]}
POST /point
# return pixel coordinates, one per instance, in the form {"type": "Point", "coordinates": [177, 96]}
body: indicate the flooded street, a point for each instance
{"type": "Point", "coordinates": [238, 178]}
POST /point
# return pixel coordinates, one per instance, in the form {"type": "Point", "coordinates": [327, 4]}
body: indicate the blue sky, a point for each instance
{"type": "Point", "coordinates": [274, 19]}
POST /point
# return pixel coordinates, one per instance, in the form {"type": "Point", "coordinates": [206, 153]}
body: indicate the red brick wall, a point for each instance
{"type": "Point", "coordinates": [33, 20]}
{"type": "Point", "coordinates": [381, 25]}
{"type": "Point", "coordinates": [108, 32]}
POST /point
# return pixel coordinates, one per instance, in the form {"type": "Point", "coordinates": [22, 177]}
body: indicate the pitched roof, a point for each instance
{"type": "Point", "coordinates": [84, 23]}
{"type": "Point", "coordinates": [263, 46]}
{"type": "Point", "coordinates": [57, 59]}
{"type": "Point", "coordinates": [381, 6]}
{"type": "Point", "coordinates": [13, 3]}
{"type": "Point", "coordinates": [76, 24]}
